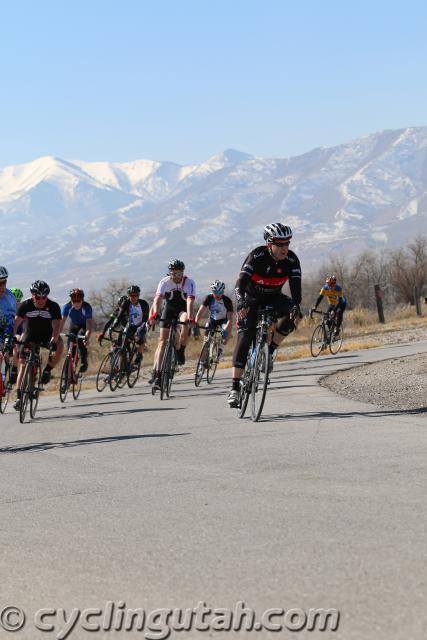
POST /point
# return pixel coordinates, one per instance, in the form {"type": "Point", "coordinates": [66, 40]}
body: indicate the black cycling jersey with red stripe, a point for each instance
{"type": "Point", "coordinates": [263, 276]}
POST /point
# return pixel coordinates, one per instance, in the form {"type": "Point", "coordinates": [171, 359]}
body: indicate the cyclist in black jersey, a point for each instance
{"type": "Point", "coordinates": [264, 272]}
{"type": "Point", "coordinates": [133, 310]}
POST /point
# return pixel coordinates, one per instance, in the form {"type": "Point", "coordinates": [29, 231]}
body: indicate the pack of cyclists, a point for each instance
{"type": "Point", "coordinates": [265, 270]}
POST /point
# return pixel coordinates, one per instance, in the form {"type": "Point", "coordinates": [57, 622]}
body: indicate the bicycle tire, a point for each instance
{"type": "Point", "coordinates": [336, 344]}
{"type": "Point", "coordinates": [64, 383]}
{"type": "Point", "coordinates": [202, 363]}
{"type": "Point", "coordinates": [259, 381]}
{"type": "Point", "coordinates": [36, 375]}
{"type": "Point", "coordinates": [172, 370]}
{"type": "Point", "coordinates": [165, 383]}
{"type": "Point", "coordinates": [213, 355]}
{"type": "Point", "coordinates": [77, 385]}
{"type": "Point", "coordinates": [102, 377]}
{"type": "Point", "coordinates": [5, 386]}
{"type": "Point", "coordinates": [318, 341]}
{"type": "Point", "coordinates": [115, 370]}
{"type": "Point", "coordinates": [133, 370]}
{"type": "Point", "coordinates": [25, 393]}
{"type": "Point", "coordinates": [245, 386]}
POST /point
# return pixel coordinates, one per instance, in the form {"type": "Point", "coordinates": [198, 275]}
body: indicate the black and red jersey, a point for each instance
{"type": "Point", "coordinates": [263, 276]}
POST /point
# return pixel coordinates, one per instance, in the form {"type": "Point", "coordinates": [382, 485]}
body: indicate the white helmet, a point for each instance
{"type": "Point", "coordinates": [277, 230]}
{"type": "Point", "coordinates": [218, 287]}
{"type": "Point", "coordinates": [4, 273]}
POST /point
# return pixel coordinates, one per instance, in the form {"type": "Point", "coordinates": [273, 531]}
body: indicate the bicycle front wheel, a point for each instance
{"type": "Point", "coordinates": [202, 364]}
{"type": "Point", "coordinates": [259, 381]}
{"type": "Point", "coordinates": [25, 392]}
{"type": "Point", "coordinates": [336, 342]}
{"type": "Point", "coordinates": [116, 372]}
{"type": "Point", "coordinates": [65, 380]}
{"type": "Point", "coordinates": [77, 383]}
{"type": "Point", "coordinates": [318, 340]}
{"type": "Point", "coordinates": [103, 375]}
{"type": "Point", "coordinates": [36, 374]}
{"type": "Point", "coordinates": [168, 369]}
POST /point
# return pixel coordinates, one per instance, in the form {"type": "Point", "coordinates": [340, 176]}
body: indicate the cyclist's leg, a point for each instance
{"type": "Point", "coordinates": [22, 360]}
{"type": "Point", "coordinates": [140, 341]}
{"type": "Point", "coordinates": [339, 313]}
{"type": "Point", "coordinates": [246, 329]}
{"type": "Point", "coordinates": [80, 330]}
{"type": "Point", "coordinates": [284, 326]}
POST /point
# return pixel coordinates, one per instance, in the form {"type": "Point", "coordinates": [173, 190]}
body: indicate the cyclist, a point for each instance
{"type": "Point", "coordinates": [179, 292]}
{"type": "Point", "coordinates": [336, 300]}
{"type": "Point", "coordinates": [42, 318]}
{"type": "Point", "coordinates": [263, 274]}
{"type": "Point", "coordinates": [80, 313]}
{"type": "Point", "coordinates": [133, 310]}
{"type": "Point", "coordinates": [7, 314]}
{"type": "Point", "coordinates": [220, 309]}
{"type": "Point", "coordinates": [14, 371]}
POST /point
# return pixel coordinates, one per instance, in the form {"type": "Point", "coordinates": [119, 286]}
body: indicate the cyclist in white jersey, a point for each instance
{"type": "Point", "coordinates": [176, 292]}
{"type": "Point", "coordinates": [220, 308]}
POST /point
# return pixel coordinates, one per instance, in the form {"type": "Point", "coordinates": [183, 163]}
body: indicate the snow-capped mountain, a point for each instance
{"type": "Point", "coordinates": [80, 223]}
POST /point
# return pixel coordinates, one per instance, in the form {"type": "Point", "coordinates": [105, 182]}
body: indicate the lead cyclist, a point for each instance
{"type": "Point", "coordinates": [264, 272]}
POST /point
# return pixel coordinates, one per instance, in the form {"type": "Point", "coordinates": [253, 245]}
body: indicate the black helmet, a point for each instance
{"type": "Point", "coordinates": [133, 288]}
{"type": "Point", "coordinates": [40, 287]}
{"type": "Point", "coordinates": [176, 265]}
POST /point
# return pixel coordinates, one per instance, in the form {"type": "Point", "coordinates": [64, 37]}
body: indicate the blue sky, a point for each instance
{"type": "Point", "coordinates": [181, 80]}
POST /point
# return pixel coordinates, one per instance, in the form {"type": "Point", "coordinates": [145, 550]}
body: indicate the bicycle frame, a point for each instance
{"type": "Point", "coordinates": [31, 380]}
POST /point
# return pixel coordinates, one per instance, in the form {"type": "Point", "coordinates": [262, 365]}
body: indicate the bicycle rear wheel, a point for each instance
{"type": "Point", "coordinates": [77, 384]}
{"type": "Point", "coordinates": [318, 340]}
{"type": "Point", "coordinates": [213, 363]}
{"type": "Point", "coordinates": [202, 364]}
{"type": "Point", "coordinates": [103, 375]}
{"type": "Point", "coordinates": [245, 386]}
{"type": "Point", "coordinates": [259, 381]}
{"type": "Point", "coordinates": [336, 343]}
{"type": "Point", "coordinates": [133, 369]}
{"type": "Point", "coordinates": [25, 392]}
{"type": "Point", "coordinates": [64, 383]}
{"type": "Point", "coordinates": [5, 386]}
{"type": "Point", "coordinates": [36, 374]}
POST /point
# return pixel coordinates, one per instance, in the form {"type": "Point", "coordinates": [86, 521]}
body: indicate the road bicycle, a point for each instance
{"type": "Point", "coordinates": [31, 384]}
{"type": "Point", "coordinates": [255, 379]}
{"type": "Point", "coordinates": [324, 334]}
{"type": "Point", "coordinates": [70, 376]}
{"type": "Point", "coordinates": [209, 355]}
{"type": "Point", "coordinates": [5, 384]}
{"type": "Point", "coordinates": [169, 364]}
{"type": "Point", "coordinates": [118, 366]}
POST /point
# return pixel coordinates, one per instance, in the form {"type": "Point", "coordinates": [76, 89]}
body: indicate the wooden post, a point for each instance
{"type": "Point", "coordinates": [417, 301]}
{"type": "Point", "coordinates": [379, 299]}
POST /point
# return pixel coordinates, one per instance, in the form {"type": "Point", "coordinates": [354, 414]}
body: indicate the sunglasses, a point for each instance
{"type": "Point", "coordinates": [281, 244]}
{"type": "Point", "coordinates": [176, 273]}
{"type": "Point", "coordinates": [133, 295]}
{"type": "Point", "coordinates": [37, 297]}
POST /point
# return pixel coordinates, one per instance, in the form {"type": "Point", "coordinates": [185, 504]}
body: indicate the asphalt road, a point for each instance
{"type": "Point", "coordinates": [149, 504]}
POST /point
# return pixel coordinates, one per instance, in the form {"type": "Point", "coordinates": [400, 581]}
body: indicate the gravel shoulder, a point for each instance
{"type": "Point", "coordinates": [398, 383]}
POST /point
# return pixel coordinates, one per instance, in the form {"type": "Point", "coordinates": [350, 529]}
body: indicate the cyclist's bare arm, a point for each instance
{"type": "Point", "coordinates": [89, 324]}
{"type": "Point", "coordinates": [17, 323]}
{"type": "Point", "coordinates": [157, 303]}
{"type": "Point", "coordinates": [200, 313]}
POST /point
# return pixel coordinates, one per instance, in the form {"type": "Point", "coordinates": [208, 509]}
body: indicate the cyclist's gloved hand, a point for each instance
{"type": "Point", "coordinates": [191, 322]}
{"type": "Point", "coordinates": [8, 343]}
{"type": "Point", "coordinates": [153, 319]}
{"type": "Point", "coordinates": [53, 345]}
{"type": "Point", "coordinates": [100, 337]}
{"type": "Point", "coordinates": [242, 309]}
{"type": "Point", "coordinates": [296, 314]}
{"type": "Point", "coordinates": [224, 333]}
